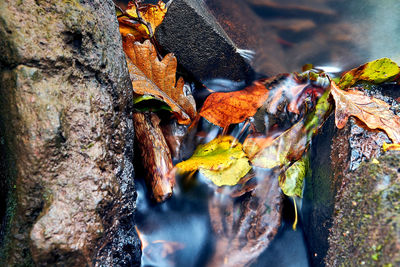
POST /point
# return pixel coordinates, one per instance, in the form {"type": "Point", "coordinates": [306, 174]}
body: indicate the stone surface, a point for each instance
{"type": "Point", "coordinates": [66, 135]}
{"type": "Point", "coordinates": [336, 154]}
{"type": "Point", "coordinates": [250, 31]}
{"type": "Point", "coordinates": [201, 46]}
{"type": "Point", "coordinates": [366, 226]}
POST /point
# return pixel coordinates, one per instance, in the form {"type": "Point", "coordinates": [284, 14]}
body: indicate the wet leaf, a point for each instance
{"type": "Point", "coordinates": [222, 161]}
{"type": "Point", "coordinates": [375, 113]}
{"type": "Point", "coordinates": [386, 147]}
{"type": "Point", "coordinates": [150, 76]}
{"type": "Point", "coordinates": [224, 109]}
{"type": "Point", "coordinates": [291, 182]}
{"type": "Point", "coordinates": [377, 71]}
{"type": "Point", "coordinates": [291, 144]}
{"type": "Point", "coordinates": [152, 15]}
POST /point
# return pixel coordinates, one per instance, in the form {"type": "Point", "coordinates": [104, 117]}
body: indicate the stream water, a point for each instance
{"type": "Point", "coordinates": [334, 35]}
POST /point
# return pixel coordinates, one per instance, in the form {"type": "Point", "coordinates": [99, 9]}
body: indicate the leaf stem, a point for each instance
{"type": "Point", "coordinates": [295, 214]}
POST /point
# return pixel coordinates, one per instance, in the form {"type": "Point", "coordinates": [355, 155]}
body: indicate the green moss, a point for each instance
{"type": "Point", "coordinates": [367, 219]}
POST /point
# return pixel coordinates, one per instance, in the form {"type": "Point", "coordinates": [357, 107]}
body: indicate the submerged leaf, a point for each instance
{"type": "Point", "coordinates": [151, 76]}
{"type": "Point", "coordinates": [291, 144]}
{"type": "Point", "coordinates": [377, 71]}
{"type": "Point", "coordinates": [375, 113]}
{"type": "Point", "coordinates": [291, 182]}
{"type": "Point", "coordinates": [224, 109]}
{"type": "Point", "coordinates": [222, 160]}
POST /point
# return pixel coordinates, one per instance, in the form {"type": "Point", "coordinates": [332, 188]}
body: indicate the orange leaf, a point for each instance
{"type": "Point", "coordinates": [224, 109]}
{"type": "Point", "coordinates": [151, 76]}
{"type": "Point", "coordinates": [375, 113]}
{"type": "Point", "coordinates": [151, 14]}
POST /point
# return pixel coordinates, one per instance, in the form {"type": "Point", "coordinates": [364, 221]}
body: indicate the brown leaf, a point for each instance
{"type": "Point", "coordinates": [150, 14]}
{"type": "Point", "coordinates": [151, 76]}
{"type": "Point", "coordinates": [224, 109]}
{"type": "Point", "coordinates": [375, 113]}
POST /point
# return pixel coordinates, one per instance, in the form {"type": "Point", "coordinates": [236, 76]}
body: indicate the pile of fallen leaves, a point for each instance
{"type": "Point", "coordinates": [312, 96]}
{"type": "Point", "coordinates": [304, 99]}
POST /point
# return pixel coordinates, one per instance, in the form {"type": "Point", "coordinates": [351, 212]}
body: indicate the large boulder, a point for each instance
{"type": "Point", "coordinates": [366, 225]}
{"type": "Point", "coordinates": [66, 136]}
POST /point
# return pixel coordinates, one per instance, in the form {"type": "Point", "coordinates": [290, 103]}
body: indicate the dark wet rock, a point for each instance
{"type": "Point", "coordinates": [336, 155]}
{"type": "Point", "coordinates": [66, 135]}
{"type": "Point", "coordinates": [201, 46]}
{"type": "Point", "coordinates": [251, 32]}
{"type": "Point", "coordinates": [366, 224]}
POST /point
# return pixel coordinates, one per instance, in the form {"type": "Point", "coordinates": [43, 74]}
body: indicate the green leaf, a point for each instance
{"type": "Point", "coordinates": [222, 161]}
{"type": "Point", "coordinates": [150, 103]}
{"type": "Point", "coordinates": [378, 71]}
{"type": "Point", "coordinates": [292, 181]}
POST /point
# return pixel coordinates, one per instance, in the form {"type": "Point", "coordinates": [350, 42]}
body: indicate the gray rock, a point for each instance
{"type": "Point", "coordinates": [201, 46]}
{"type": "Point", "coordinates": [366, 225]}
{"type": "Point", "coordinates": [66, 134]}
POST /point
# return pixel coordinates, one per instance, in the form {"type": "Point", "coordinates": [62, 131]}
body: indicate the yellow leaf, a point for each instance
{"type": "Point", "coordinates": [222, 161]}
{"type": "Point", "coordinates": [229, 176]}
{"type": "Point", "coordinates": [395, 147]}
{"type": "Point", "coordinates": [150, 76]}
{"type": "Point", "coordinates": [152, 14]}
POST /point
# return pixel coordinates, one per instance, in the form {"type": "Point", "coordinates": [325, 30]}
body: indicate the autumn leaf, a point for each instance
{"type": "Point", "coordinates": [222, 161]}
{"type": "Point", "coordinates": [377, 71]}
{"type": "Point", "coordinates": [292, 180]}
{"type": "Point", "coordinates": [375, 113]}
{"type": "Point", "coordinates": [150, 76]}
{"type": "Point", "coordinates": [150, 16]}
{"type": "Point", "coordinates": [224, 109]}
{"type": "Point", "coordinates": [387, 147]}
{"type": "Point", "coordinates": [291, 144]}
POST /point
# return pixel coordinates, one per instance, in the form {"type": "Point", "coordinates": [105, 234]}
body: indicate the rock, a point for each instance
{"type": "Point", "coordinates": [201, 46]}
{"type": "Point", "coordinates": [366, 226]}
{"type": "Point", "coordinates": [66, 133]}
{"type": "Point", "coordinates": [336, 154]}
{"type": "Point", "coordinates": [251, 32]}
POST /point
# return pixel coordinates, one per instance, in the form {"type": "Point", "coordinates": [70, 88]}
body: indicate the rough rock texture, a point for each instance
{"type": "Point", "coordinates": [201, 46]}
{"type": "Point", "coordinates": [66, 135]}
{"type": "Point", "coordinates": [335, 153]}
{"type": "Point", "coordinates": [366, 227]}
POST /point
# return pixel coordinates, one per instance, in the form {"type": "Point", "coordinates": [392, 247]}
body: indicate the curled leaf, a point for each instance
{"type": "Point", "coordinates": [150, 76]}
{"type": "Point", "coordinates": [377, 71]}
{"type": "Point", "coordinates": [222, 161]}
{"type": "Point", "coordinates": [375, 113]}
{"type": "Point", "coordinates": [224, 109]}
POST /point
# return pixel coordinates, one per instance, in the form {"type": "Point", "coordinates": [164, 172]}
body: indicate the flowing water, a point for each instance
{"type": "Point", "coordinates": [335, 35]}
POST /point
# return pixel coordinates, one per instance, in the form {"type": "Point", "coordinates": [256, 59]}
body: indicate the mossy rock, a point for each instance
{"type": "Point", "coordinates": [366, 227]}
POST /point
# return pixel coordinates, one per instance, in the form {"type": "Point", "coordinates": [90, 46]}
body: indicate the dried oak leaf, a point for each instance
{"type": "Point", "coordinates": [224, 109]}
{"type": "Point", "coordinates": [377, 71]}
{"type": "Point", "coordinates": [150, 76]}
{"type": "Point", "coordinates": [222, 161]}
{"type": "Point", "coordinates": [375, 113]}
{"type": "Point", "coordinates": [151, 14]}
